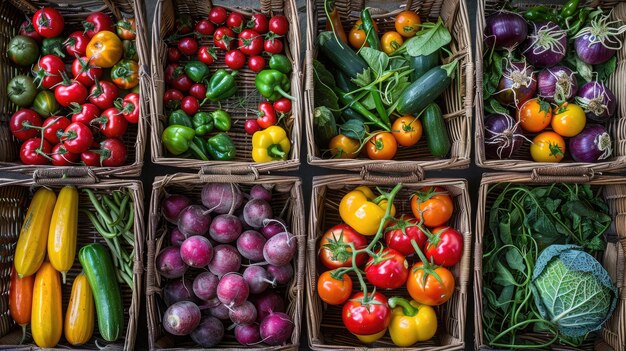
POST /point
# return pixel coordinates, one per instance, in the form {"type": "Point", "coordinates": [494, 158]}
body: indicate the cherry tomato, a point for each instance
{"type": "Point", "coordinates": [407, 23]}
{"type": "Point", "coordinates": [126, 29]}
{"type": "Point", "coordinates": [207, 55]}
{"type": "Point", "coordinates": [21, 121]}
{"type": "Point", "coordinates": [251, 126]}
{"type": "Point", "coordinates": [432, 205]}
{"type": "Point", "coordinates": [387, 270]}
{"type": "Point", "coordinates": [103, 95]}
{"type": "Point", "coordinates": [266, 115]}
{"type": "Point", "coordinates": [407, 130]}
{"type": "Point", "coordinates": [357, 34]}
{"type": "Point", "coordinates": [273, 46]}
{"type": "Point", "coordinates": [31, 152]}
{"type": "Point", "coordinates": [256, 63]}
{"type": "Point", "coordinates": [444, 247]}
{"type": "Point", "coordinates": [84, 72]}
{"type": "Point", "coordinates": [77, 138]}
{"type": "Point", "coordinates": [235, 21]}
{"type": "Point", "coordinates": [61, 157]}
{"type": "Point", "coordinates": [190, 105]}
{"type": "Point", "coordinates": [172, 71]}
{"type": "Point", "coordinates": [235, 59]}
{"type": "Point", "coordinates": [183, 24]}
{"type": "Point", "coordinates": [205, 27]}
{"type": "Point", "coordinates": [70, 92]}
{"type": "Point", "coordinates": [430, 291]}
{"type": "Point", "coordinates": [282, 105]}
{"type": "Point", "coordinates": [218, 15]}
{"type": "Point", "coordinates": [111, 123]}
{"type": "Point", "coordinates": [54, 128]}
{"type": "Point", "coordinates": [332, 290]}
{"type": "Point", "coordinates": [391, 41]}
{"type": "Point", "coordinates": [28, 30]}
{"type": "Point", "coordinates": [48, 22]}
{"type": "Point", "coordinates": [366, 316]}
{"type": "Point", "coordinates": [382, 146]}
{"type": "Point", "coordinates": [172, 98]}
{"type": "Point", "coordinates": [534, 115]}
{"type": "Point", "coordinates": [547, 147]}
{"type": "Point", "coordinates": [335, 251]}
{"type": "Point", "coordinates": [130, 107]}
{"type": "Point", "coordinates": [188, 46]}
{"type": "Point", "coordinates": [259, 23]}
{"type": "Point", "coordinates": [198, 91]}
{"type": "Point", "coordinates": [223, 38]}
{"type": "Point", "coordinates": [279, 25]}
{"type": "Point", "coordinates": [76, 44]}
{"type": "Point", "coordinates": [250, 42]}
{"type": "Point", "coordinates": [113, 153]}
{"type": "Point", "coordinates": [173, 54]}
{"type": "Point", "coordinates": [48, 71]}
{"type": "Point", "coordinates": [342, 146]}
{"type": "Point", "coordinates": [568, 120]}
{"type": "Point", "coordinates": [182, 83]}
{"type": "Point", "coordinates": [97, 22]}
{"type": "Point", "coordinates": [399, 234]}
{"type": "Point", "coordinates": [84, 113]}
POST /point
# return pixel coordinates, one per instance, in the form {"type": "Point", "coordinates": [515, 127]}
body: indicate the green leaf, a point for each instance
{"type": "Point", "coordinates": [364, 78]}
{"type": "Point", "coordinates": [368, 102]}
{"type": "Point", "coordinates": [503, 275]}
{"type": "Point", "coordinates": [515, 260]}
{"type": "Point", "coordinates": [377, 60]}
{"type": "Point", "coordinates": [427, 41]}
{"type": "Point", "coordinates": [354, 129]}
{"type": "Point", "coordinates": [505, 231]}
{"type": "Point", "coordinates": [493, 106]}
{"type": "Point", "coordinates": [605, 70]}
{"type": "Point", "coordinates": [505, 298]}
{"type": "Point", "coordinates": [323, 89]}
{"type": "Point", "coordinates": [584, 70]}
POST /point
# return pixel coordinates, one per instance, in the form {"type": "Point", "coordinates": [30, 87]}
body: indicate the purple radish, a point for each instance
{"type": "Point", "coordinates": [247, 334]}
{"type": "Point", "coordinates": [280, 249]}
{"type": "Point", "coordinates": [206, 306]}
{"type": "Point", "coordinates": [250, 245]}
{"type": "Point", "coordinates": [225, 259]}
{"type": "Point", "coordinates": [257, 278]}
{"type": "Point", "coordinates": [273, 227]}
{"type": "Point", "coordinates": [260, 192]}
{"type": "Point", "coordinates": [194, 220]}
{"type": "Point", "coordinates": [221, 198]}
{"type": "Point", "coordinates": [177, 237]}
{"type": "Point", "coordinates": [280, 274]}
{"type": "Point", "coordinates": [205, 286]}
{"type": "Point", "coordinates": [225, 228]}
{"type": "Point", "coordinates": [178, 290]}
{"type": "Point", "coordinates": [276, 328]}
{"type": "Point", "coordinates": [232, 290]}
{"type": "Point", "coordinates": [243, 314]}
{"type": "Point", "coordinates": [266, 303]}
{"type": "Point", "coordinates": [244, 225]}
{"type": "Point", "coordinates": [169, 264]}
{"type": "Point", "coordinates": [196, 251]}
{"type": "Point", "coordinates": [256, 211]}
{"type": "Point", "coordinates": [220, 312]}
{"type": "Point", "coordinates": [172, 205]}
{"type": "Point", "coordinates": [209, 333]}
{"type": "Point", "coordinates": [181, 318]}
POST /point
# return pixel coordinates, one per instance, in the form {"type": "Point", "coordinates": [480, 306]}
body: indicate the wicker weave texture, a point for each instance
{"type": "Point", "coordinates": [12, 14]}
{"type": "Point", "coordinates": [15, 197]}
{"type": "Point", "coordinates": [325, 327]}
{"type": "Point", "coordinates": [521, 160]}
{"type": "Point", "coordinates": [164, 18]}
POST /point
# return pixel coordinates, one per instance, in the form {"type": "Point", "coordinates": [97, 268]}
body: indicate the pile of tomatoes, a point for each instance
{"type": "Point", "coordinates": [413, 256]}
{"type": "Point", "coordinates": [83, 92]}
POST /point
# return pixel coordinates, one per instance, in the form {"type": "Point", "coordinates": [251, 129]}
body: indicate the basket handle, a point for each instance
{"type": "Point", "coordinates": [65, 175]}
{"type": "Point", "coordinates": [243, 172]}
{"type": "Point", "coordinates": [405, 173]}
{"type": "Point", "coordinates": [562, 174]}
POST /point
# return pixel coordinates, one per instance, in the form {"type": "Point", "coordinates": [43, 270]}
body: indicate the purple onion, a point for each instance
{"type": "Point", "coordinates": [591, 145]}
{"type": "Point", "coordinates": [172, 205]}
{"type": "Point", "coordinates": [598, 42]}
{"type": "Point", "coordinates": [177, 237]}
{"type": "Point", "coordinates": [273, 227]}
{"type": "Point", "coordinates": [503, 137]}
{"type": "Point", "coordinates": [505, 30]}
{"type": "Point", "coordinates": [546, 45]}
{"type": "Point", "coordinates": [557, 84]}
{"type": "Point", "coordinates": [517, 85]}
{"type": "Point", "coordinates": [597, 100]}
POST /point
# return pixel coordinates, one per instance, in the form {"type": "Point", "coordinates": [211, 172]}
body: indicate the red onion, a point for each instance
{"type": "Point", "coordinates": [591, 145]}
{"type": "Point", "coordinates": [597, 100]}
{"type": "Point", "coordinates": [503, 137]}
{"type": "Point", "coordinates": [518, 84]}
{"type": "Point", "coordinates": [598, 42]}
{"type": "Point", "coordinates": [546, 45]}
{"type": "Point", "coordinates": [557, 84]}
{"type": "Point", "coordinates": [505, 30]}
{"type": "Point", "coordinates": [172, 205]}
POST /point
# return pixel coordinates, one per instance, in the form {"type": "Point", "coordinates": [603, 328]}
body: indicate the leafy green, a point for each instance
{"type": "Point", "coordinates": [428, 40]}
{"type": "Point", "coordinates": [605, 70]}
{"type": "Point", "coordinates": [376, 59]}
{"type": "Point", "coordinates": [323, 89]}
{"type": "Point", "coordinates": [353, 128]}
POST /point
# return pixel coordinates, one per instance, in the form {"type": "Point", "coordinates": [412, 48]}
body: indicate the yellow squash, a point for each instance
{"type": "Point", "coordinates": [79, 319]}
{"type": "Point", "coordinates": [47, 314]}
{"type": "Point", "coordinates": [63, 231]}
{"type": "Point", "coordinates": [31, 245]}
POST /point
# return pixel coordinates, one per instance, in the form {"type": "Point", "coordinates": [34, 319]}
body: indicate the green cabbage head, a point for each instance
{"type": "Point", "coordinates": [572, 290]}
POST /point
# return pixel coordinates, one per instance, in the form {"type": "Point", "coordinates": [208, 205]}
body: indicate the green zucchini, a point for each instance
{"type": "Point", "coordinates": [425, 89]}
{"type": "Point", "coordinates": [435, 131]}
{"type": "Point", "coordinates": [422, 64]}
{"type": "Point", "coordinates": [100, 272]}
{"type": "Point", "coordinates": [341, 55]}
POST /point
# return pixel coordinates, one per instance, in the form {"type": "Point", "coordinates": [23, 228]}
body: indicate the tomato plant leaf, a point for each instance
{"type": "Point", "coordinates": [429, 40]}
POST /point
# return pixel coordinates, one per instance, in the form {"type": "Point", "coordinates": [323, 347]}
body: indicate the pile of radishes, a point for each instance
{"type": "Point", "coordinates": [224, 258]}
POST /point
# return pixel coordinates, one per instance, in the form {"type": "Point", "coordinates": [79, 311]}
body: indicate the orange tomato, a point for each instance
{"type": "Point", "coordinates": [429, 290]}
{"type": "Point", "coordinates": [534, 115]}
{"type": "Point", "coordinates": [407, 130]}
{"type": "Point", "coordinates": [568, 120]}
{"type": "Point", "coordinates": [357, 35]}
{"type": "Point", "coordinates": [432, 205]}
{"type": "Point", "coordinates": [407, 23]}
{"type": "Point", "coordinates": [334, 291]}
{"type": "Point", "coordinates": [547, 147]}
{"type": "Point", "coordinates": [391, 41]}
{"type": "Point", "coordinates": [343, 147]}
{"type": "Point", "coordinates": [382, 146]}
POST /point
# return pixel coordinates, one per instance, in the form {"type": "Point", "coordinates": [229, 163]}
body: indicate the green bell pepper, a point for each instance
{"type": "Point", "coordinates": [280, 63]}
{"type": "Point", "coordinates": [221, 147]}
{"type": "Point", "coordinates": [197, 71]}
{"type": "Point", "coordinates": [221, 120]}
{"type": "Point", "coordinates": [273, 84]}
{"type": "Point", "coordinates": [179, 118]}
{"type": "Point", "coordinates": [221, 86]}
{"type": "Point", "coordinates": [179, 139]}
{"type": "Point", "coordinates": [202, 145]}
{"type": "Point", "coordinates": [202, 123]}
{"type": "Point", "coordinates": [53, 46]}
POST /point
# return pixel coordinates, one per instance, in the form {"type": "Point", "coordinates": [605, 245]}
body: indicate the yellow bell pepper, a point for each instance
{"type": "Point", "coordinates": [369, 339]}
{"type": "Point", "coordinates": [271, 144]}
{"type": "Point", "coordinates": [362, 210]}
{"type": "Point", "coordinates": [411, 322]}
{"type": "Point", "coordinates": [104, 49]}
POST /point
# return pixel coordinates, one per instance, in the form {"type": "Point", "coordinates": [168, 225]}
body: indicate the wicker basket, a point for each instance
{"type": "Point", "coordinates": [164, 18]}
{"type": "Point", "coordinates": [15, 197]}
{"type": "Point", "coordinates": [325, 327]}
{"type": "Point", "coordinates": [521, 160]}
{"type": "Point", "coordinates": [286, 199]}
{"type": "Point", "coordinates": [13, 12]}
{"type": "Point", "coordinates": [613, 334]}
{"type": "Point", "coordinates": [456, 102]}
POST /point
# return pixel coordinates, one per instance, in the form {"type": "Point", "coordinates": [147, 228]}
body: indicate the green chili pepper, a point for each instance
{"type": "Point", "coordinates": [273, 84]}
{"type": "Point", "coordinates": [197, 71]}
{"type": "Point", "coordinates": [221, 147]}
{"type": "Point", "coordinates": [179, 118]}
{"type": "Point", "coordinates": [569, 8]}
{"type": "Point", "coordinates": [280, 63]}
{"type": "Point", "coordinates": [221, 120]}
{"type": "Point", "coordinates": [179, 139]}
{"type": "Point", "coordinates": [370, 31]}
{"type": "Point", "coordinates": [53, 46]}
{"type": "Point", "coordinates": [350, 101]}
{"type": "Point", "coordinates": [540, 14]}
{"type": "Point", "coordinates": [202, 123]}
{"type": "Point", "coordinates": [221, 86]}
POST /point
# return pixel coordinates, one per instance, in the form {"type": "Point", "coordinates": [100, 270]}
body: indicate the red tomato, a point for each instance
{"type": "Point", "coordinates": [172, 98]}
{"type": "Point", "coordinates": [97, 22]}
{"type": "Point", "coordinates": [235, 21]}
{"type": "Point", "coordinates": [31, 152]}
{"type": "Point", "coordinates": [54, 128]}
{"type": "Point", "coordinates": [266, 115]}
{"type": "Point", "coordinates": [250, 42]}
{"type": "Point", "coordinates": [84, 72]}
{"type": "Point", "coordinates": [207, 55]}
{"type": "Point", "coordinates": [282, 105]}
{"type": "Point", "coordinates": [279, 25]}
{"type": "Point", "coordinates": [76, 44]}
{"type": "Point", "coordinates": [77, 138]}
{"type": "Point", "coordinates": [223, 38]}
{"type": "Point", "coordinates": [84, 113]}
{"type": "Point", "coordinates": [28, 30]}
{"type": "Point", "coordinates": [188, 46]}
{"type": "Point", "coordinates": [182, 83]}
{"type": "Point", "coordinates": [130, 107]}
{"type": "Point", "coordinates": [190, 105]}
{"type": "Point", "coordinates": [172, 71]}
{"type": "Point", "coordinates": [91, 158]}
{"type": "Point", "coordinates": [70, 91]}
{"type": "Point", "coordinates": [103, 95]}
{"type": "Point", "coordinates": [235, 60]}
{"type": "Point", "coordinates": [113, 153]}
{"type": "Point", "coordinates": [61, 157]}
{"type": "Point", "coordinates": [48, 22]}
{"type": "Point", "coordinates": [387, 270]}
{"type": "Point", "coordinates": [251, 126]}
{"type": "Point", "coordinates": [198, 91]}
{"type": "Point", "coordinates": [366, 316]}
{"type": "Point", "coordinates": [444, 247]}
{"type": "Point", "coordinates": [218, 15]}
{"type": "Point", "coordinates": [398, 236]}
{"type": "Point", "coordinates": [173, 54]}
{"type": "Point", "coordinates": [334, 290]}
{"type": "Point", "coordinates": [256, 63]}
{"type": "Point", "coordinates": [112, 124]}
{"type": "Point", "coordinates": [335, 251]}
{"type": "Point", "coordinates": [273, 46]}
{"type": "Point", "coordinates": [20, 123]}
{"type": "Point", "coordinates": [259, 23]}
{"type": "Point", "coordinates": [426, 289]}
{"type": "Point", "coordinates": [433, 205]}
{"type": "Point", "coordinates": [205, 27]}
{"type": "Point", "coordinates": [184, 24]}
{"type": "Point", "coordinates": [48, 71]}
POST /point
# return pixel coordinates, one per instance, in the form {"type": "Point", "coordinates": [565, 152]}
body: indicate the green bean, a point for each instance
{"type": "Point", "coordinates": [97, 205]}
{"type": "Point", "coordinates": [96, 223]}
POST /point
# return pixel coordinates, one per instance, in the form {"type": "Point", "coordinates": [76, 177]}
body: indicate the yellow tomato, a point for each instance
{"type": "Point", "coordinates": [105, 49]}
{"type": "Point", "coordinates": [407, 23]}
{"type": "Point", "coordinates": [391, 41]}
{"type": "Point", "coordinates": [568, 120]}
{"type": "Point", "coordinates": [343, 147]}
{"type": "Point", "coordinates": [547, 147]}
